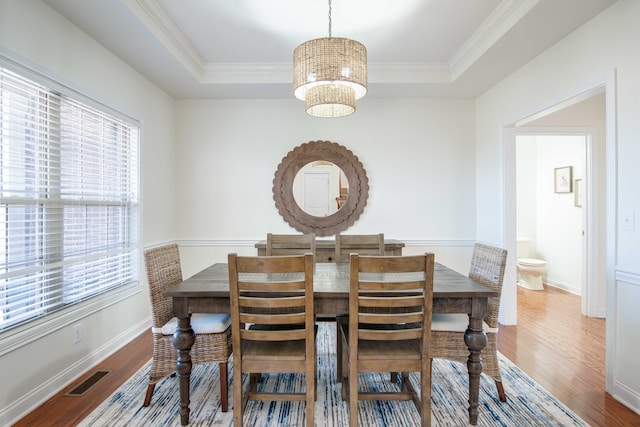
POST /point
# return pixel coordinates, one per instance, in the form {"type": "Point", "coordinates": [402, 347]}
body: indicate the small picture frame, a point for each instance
{"type": "Point", "coordinates": [563, 179]}
{"type": "Point", "coordinates": [577, 193]}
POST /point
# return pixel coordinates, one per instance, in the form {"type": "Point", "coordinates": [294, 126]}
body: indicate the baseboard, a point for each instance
{"type": "Point", "coordinates": [27, 403]}
{"type": "Point", "coordinates": [564, 286]}
{"type": "Point", "coordinates": [626, 396]}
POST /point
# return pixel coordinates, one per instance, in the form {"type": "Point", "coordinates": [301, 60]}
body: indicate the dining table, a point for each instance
{"type": "Point", "coordinates": [208, 292]}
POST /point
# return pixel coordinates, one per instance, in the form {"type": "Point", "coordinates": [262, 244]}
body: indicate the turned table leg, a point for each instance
{"type": "Point", "coordinates": [476, 340]}
{"type": "Point", "coordinates": [183, 339]}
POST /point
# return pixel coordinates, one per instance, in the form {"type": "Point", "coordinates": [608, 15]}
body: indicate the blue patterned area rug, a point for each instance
{"type": "Point", "coordinates": [528, 403]}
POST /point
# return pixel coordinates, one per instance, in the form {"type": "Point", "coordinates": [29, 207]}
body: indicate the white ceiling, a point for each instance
{"type": "Point", "coordinates": [244, 48]}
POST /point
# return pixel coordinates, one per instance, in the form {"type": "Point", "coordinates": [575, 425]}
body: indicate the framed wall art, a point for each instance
{"type": "Point", "coordinates": [563, 179]}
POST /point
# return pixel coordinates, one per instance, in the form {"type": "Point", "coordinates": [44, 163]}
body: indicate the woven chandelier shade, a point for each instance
{"type": "Point", "coordinates": [330, 74]}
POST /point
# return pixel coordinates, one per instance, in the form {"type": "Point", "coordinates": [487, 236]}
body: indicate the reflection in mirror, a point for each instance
{"type": "Point", "coordinates": [320, 188]}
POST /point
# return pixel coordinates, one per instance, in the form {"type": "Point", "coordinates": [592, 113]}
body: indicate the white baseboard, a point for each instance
{"type": "Point", "coordinates": [626, 396]}
{"type": "Point", "coordinates": [27, 403]}
{"type": "Point", "coordinates": [564, 286]}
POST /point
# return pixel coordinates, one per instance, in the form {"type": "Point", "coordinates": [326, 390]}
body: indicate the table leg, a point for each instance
{"type": "Point", "coordinates": [183, 339]}
{"type": "Point", "coordinates": [476, 341]}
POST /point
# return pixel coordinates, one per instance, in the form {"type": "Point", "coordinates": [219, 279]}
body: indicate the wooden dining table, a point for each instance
{"type": "Point", "coordinates": [208, 292]}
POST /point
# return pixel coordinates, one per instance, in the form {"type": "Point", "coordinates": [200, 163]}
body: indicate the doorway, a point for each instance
{"type": "Point", "coordinates": [585, 117]}
{"type": "Point", "coordinates": [600, 211]}
{"type": "Point", "coordinates": [550, 219]}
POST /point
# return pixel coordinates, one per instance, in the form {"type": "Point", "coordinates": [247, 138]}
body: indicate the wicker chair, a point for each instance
{"type": "Point", "coordinates": [213, 331]}
{"type": "Point", "coordinates": [281, 339]}
{"type": "Point", "coordinates": [447, 336]}
{"type": "Point", "coordinates": [290, 244]}
{"type": "Point", "coordinates": [389, 325]}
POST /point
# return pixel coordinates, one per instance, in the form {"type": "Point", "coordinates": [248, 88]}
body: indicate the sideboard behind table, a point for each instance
{"type": "Point", "coordinates": [326, 248]}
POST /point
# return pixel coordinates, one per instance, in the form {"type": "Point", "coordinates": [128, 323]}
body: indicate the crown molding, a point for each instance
{"type": "Point", "coordinates": [505, 17]}
{"type": "Point", "coordinates": [154, 17]}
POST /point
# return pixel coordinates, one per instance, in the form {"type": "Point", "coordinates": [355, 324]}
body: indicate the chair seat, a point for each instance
{"type": "Point", "coordinates": [201, 323]}
{"type": "Point", "coordinates": [455, 322]}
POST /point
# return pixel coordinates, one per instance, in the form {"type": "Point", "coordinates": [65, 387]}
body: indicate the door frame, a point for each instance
{"type": "Point", "coordinates": [606, 82]}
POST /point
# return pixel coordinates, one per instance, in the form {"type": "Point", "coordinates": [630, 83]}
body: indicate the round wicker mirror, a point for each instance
{"type": "Point", "coordinates": [313, 151]}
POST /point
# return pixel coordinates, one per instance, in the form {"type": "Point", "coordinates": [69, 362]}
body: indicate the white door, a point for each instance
{"type": "Point", "coordinates": [316, 193]}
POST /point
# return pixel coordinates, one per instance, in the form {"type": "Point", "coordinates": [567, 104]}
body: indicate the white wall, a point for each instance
{"type": "Point", "coordinates": [559, 222]}
{"type": "Point", "coordinates": [418, 155]}
{"type": "Point", "coordinates": [30, 29]}
{"type": "Point", "coordinates": [594, 51]}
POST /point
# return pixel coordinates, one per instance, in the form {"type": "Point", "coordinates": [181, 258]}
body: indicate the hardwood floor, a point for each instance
{"type": "Point", "coordinates": [565, 353]}
{"type": "Point", "coordinates": [553, 343]}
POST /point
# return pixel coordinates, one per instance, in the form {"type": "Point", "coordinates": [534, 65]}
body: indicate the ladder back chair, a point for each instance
{"type": "Point", "coordinates": [447, 337]}
{"type": "Point", "coordinates": [363, 244]}
{"type": "Point", "coordinates": [390, 307]}
{"type": "Point", "coordinates": [274, 295]}
{"type": "Point", "coordinates": [290, 244]}
{"type": "Point", "coordinates": [212, 330]}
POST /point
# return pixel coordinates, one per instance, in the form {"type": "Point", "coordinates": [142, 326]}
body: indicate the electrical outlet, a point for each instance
{"type": "Point", "coordinates": [77, 333]}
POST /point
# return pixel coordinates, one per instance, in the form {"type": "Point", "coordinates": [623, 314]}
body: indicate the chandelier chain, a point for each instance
{"type": "Point", "coordinates": [329, 18]}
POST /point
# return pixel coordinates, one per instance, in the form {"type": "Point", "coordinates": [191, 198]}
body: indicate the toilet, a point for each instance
{"type": "Point", "coordinates": [530, 270]}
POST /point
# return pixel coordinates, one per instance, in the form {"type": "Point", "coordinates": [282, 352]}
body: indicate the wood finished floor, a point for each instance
{"type": "Point", "coordinates": [553, 343]}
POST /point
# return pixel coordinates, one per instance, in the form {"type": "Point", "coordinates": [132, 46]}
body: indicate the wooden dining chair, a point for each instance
{"type": "Point", "coordinates": [273, 294]}
{"type": "Point", "coordinates": [390, 308]}
{"type": "Point", "coordinates": [212, 330]}
{"type": "Point", "coordinates": [363, 244]}
{"type": "Point", "coordinates": [290, 244]}
{"type": "Point", "coordinates": [447, 337]}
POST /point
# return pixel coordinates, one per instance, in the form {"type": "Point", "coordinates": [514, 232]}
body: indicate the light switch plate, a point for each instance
{"type": "Point", "coordinates": [628, 222]}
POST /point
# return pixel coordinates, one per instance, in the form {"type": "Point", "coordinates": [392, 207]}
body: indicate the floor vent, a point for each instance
{"type": "Point", "coordinates": [84, 386]}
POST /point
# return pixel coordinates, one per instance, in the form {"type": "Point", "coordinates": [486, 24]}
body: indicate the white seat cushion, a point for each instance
{"type": "Point", "coordinates": [201, 323]}
{"type": "Point", "coordinates": [455, 322]}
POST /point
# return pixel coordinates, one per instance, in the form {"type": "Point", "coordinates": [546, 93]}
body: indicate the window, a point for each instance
{"type": "Point", "coordinates": [68, 200]}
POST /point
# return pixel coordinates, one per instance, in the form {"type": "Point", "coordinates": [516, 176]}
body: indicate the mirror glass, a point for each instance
{"type": "Point", "coordinates": [320, 188]}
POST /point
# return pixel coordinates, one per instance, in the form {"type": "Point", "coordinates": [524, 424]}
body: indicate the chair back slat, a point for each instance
{"type": "Point", "coordinates": [287, 285]}
{"type": "Point", "coordinates": [407, 285]}
{"type": "Point", "coordinates": [270, 335]}
{"type": "Point", "coordinates": [268, 319]}
{"type": "Point", "coordinates": [389, 335]}
{"type": "Point", "coordinates": [390, 301]}
{"type": "Point", "coordinates": [389, 318]}
{"type": "Point", "coordinates": [272, 302]}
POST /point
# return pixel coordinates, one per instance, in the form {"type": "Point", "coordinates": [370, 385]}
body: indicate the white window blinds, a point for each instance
{"type": "Point", "coordinates": [68, 201]}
